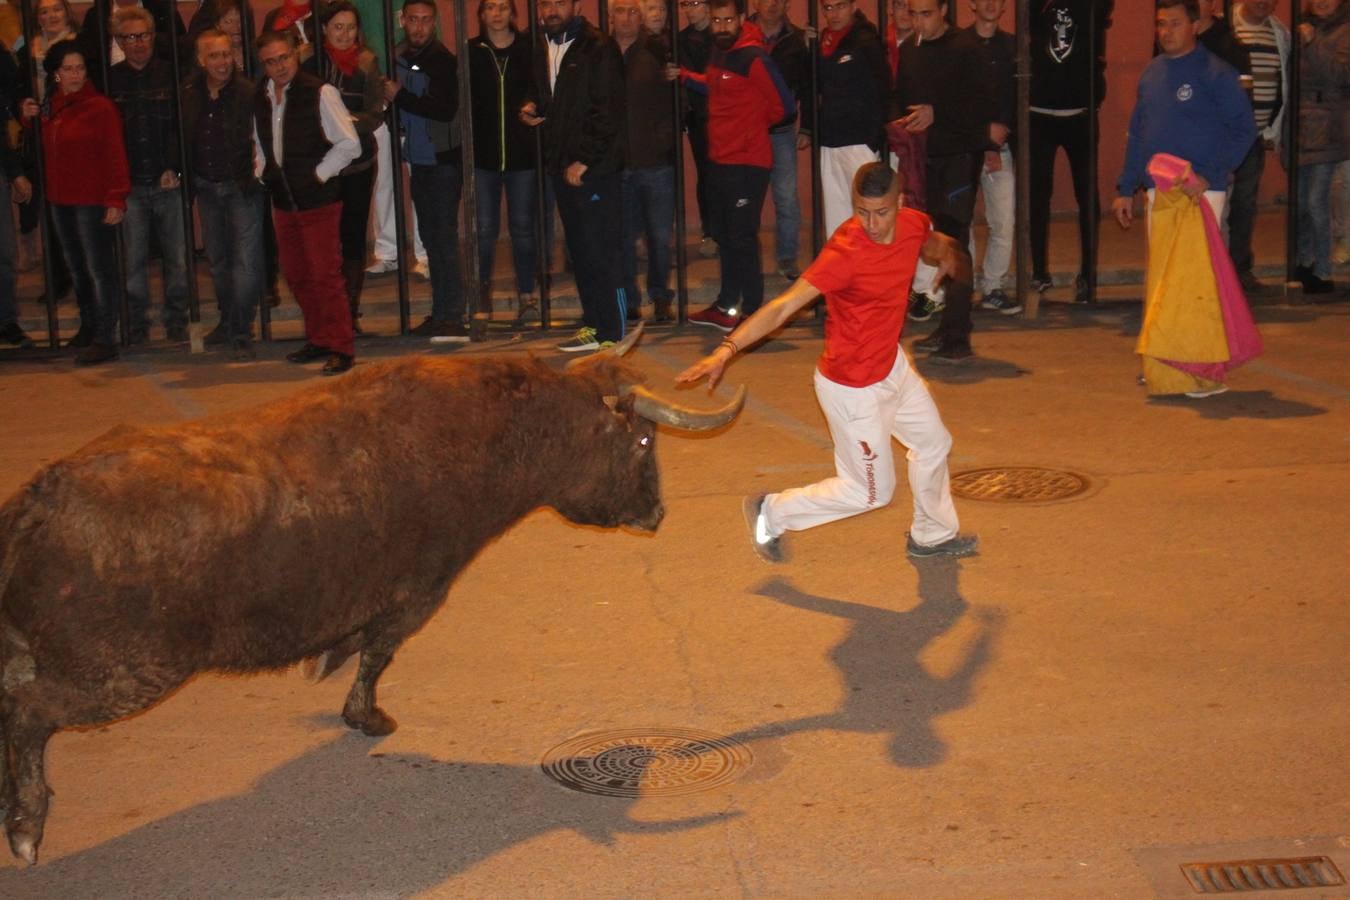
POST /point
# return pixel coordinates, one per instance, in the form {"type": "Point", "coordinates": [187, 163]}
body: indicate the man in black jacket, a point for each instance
{"type": "Point", "coordinates": [1068, 85]}
{"type": "Point", "coordinates": [854, 83]}
{"type": "Point", "coordinates": [579, 107]}
{"type": "Point", "coordinates": [943, 86]}
{"type": "Point", "coordinates": [218, 129]}
{"type": "Point", "coordinates": [649, 175]}
{"type": "Point", "coordinates": [696, 46]}
{"type": "Point", "coordinates": [142, 87]}
{"type": "Point", "coordinates": [787, 48]}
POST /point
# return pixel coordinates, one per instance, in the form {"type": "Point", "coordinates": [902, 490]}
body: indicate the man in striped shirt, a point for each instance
{"type": "Point", "coordinates": [1266, 40]}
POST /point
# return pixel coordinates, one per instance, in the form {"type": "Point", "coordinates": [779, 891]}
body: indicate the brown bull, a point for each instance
{"type": "Point", "coordinates": [231, 544]}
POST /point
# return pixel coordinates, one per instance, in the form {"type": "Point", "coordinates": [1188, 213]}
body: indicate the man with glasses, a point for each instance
{"type": "Point", "coordinates": [142, 87]}
{"type": "Point", "coordinates": [696, 45]}
{"type": "Point", "coordinates": [303, 138]}
{"type": "Point", "coordinates": [746, 97]}
{"type": "Point", "coordinates": [855, 100]}
{"type": "Point", "coordinates": [578, 105]}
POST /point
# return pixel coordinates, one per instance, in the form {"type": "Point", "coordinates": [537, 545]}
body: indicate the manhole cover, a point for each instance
{"type": "Point", "coordinates": [1018, 484]}
{"type": "Point", "coordinates": [646, 762]}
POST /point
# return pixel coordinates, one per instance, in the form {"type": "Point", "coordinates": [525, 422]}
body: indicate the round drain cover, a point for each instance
{"type": "Point", "coordinates": [1018, 484]}
{"type": "Point", "coordinates": [646, 762]}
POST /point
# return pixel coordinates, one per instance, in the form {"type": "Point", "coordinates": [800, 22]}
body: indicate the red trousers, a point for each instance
{"type": "Point", "coordinates": [310, 252]}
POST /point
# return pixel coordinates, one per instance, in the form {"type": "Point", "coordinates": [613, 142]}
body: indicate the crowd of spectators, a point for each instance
{"type": "Point", "coordinates": [312, 135]}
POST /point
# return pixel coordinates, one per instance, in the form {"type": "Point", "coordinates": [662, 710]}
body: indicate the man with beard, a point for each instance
{"type": "Point", "coordinates": [426, 91]}
{"type": "Point", "coordinates": [579, 106]}
{"type": "Point", "coordinates": [696, 47]}
{"type": "Point", "coordinates": [746, 97]}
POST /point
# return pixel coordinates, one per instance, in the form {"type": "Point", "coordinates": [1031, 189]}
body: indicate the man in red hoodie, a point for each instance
{"type": "Point", "coordinates": [746, 97]}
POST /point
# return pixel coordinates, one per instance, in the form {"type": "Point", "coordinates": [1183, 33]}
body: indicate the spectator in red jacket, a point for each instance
{"type": "Point", "coordinates": [87, 183]}
{"type": "Point", "coordinates": [746, 97]}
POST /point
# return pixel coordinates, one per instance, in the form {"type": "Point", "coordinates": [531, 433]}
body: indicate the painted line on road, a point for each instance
{"type": "Point", "coordinates": [1303, 380]}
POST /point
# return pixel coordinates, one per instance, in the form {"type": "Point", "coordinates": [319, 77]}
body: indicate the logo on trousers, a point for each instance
{"type": "Point", "coordinates": [868, 454]}
{"type": "Point", "coordinates": [744, 201]}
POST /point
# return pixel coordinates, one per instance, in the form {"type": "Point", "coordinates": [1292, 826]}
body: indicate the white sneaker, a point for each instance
{"type": "Point", "coordinates": [382, 266]}
{"type": "Point", "coordinates": [1212, 392]}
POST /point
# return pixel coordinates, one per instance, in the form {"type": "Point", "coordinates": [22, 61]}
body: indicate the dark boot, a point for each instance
{"type": "Point", "coordinates": [485, 299]}
{"type": "Point", "coordinates": [354, 273]}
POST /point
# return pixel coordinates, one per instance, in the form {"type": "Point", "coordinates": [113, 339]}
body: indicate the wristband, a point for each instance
{"type": "Point", "coordinates": [728, 342]}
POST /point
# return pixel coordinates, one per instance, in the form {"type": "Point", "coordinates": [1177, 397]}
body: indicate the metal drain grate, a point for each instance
{"type": "Point", "coordinates": [1018, 484]}
{"type": "Point", "coordinates": [646, 762]}
{"type": "Point", "coordinates": [1244, 875]}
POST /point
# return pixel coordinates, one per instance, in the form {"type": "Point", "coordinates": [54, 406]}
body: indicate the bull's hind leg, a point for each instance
{"type": "Point", "coordinates": [382, 638]}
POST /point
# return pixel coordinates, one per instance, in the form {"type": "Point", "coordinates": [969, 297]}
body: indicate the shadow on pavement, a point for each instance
{"type": "Point", "coordinates": [339, 821]}
{"type": "Point", "coordinates": [886, 687]}
{"type": "Point", "coordinates": [979, 368]}
{"type": "Point", "coordinates": [1243, 405]}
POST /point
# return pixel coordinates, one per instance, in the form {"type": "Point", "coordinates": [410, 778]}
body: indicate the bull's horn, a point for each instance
{"type": "Point", "coordinates": [656, 409]}
{"type": "Point", "coordinates": [619, 349]}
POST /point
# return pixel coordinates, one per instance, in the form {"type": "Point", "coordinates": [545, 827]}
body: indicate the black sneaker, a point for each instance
{"type": "Point", "coordinates": [1001, 303]}
{"type": "Point", "coordinates": [241, 348]}
{"type": "Point", "coordinates": [769, 549]}
{"type": "Point", "coordinates": [922, 307]}
{"type": "Point", "coordinates": [961, 545]}
{"type": "Point", "coordinates": [83, 338]}
{"type": "Point", "coordinates": [96, 353]}
{"type": "Point", "coordinates": [13, 335]}
{"type": "Point", "coordinates": [176, 334]}
{"type": "Point", "coordinates": [951, 356]}
{"type": "Point", "coordinates": [338, 363]}
{"type": "Point", "coordinates": [217, 337]}
{"type": "Point", "coordinates": [928, 344]}
{"type": "Point", "coordinates": [1084, 292]}
{"type": "Point", "coordinates": [1041, 283]}
{"type": "Point", "coordinates": [307, 353]}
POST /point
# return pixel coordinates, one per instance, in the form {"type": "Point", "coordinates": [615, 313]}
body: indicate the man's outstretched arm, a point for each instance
{"type": "Point", "coordinates": [950, 258]}
{"type": "Point", "coordinates": [767, 319]}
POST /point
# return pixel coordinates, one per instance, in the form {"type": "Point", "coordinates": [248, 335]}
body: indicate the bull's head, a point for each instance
{"type": "Point", "coordinates": [623, 458]}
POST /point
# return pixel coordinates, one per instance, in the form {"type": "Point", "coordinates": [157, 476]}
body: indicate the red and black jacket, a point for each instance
{"type": "Point", "coordinates": [746, 97]}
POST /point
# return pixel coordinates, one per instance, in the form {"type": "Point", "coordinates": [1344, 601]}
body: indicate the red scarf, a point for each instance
{"type": "Point", "coordinates": [290, 13]}
{"type": "Point", "coordinates": [829, 40]}
{"type": "Point", "coordinates": [345, 60]}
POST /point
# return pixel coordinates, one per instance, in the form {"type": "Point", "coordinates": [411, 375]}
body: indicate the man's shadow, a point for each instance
{"type": "Point", "coordinates": [337, 820]}
{"type": "Point", "coordinates": [886, 687]}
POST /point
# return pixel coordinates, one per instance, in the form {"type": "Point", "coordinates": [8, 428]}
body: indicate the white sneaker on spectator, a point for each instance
{"type": "Point", "coordinates": [381, 266]}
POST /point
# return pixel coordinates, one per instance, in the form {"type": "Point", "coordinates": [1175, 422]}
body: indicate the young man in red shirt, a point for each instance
{"type": "Point", "coordinates": [866, 386]}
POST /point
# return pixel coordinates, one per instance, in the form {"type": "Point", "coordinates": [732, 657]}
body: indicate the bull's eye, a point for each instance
{"type": "Point", "coordinates": [645, 440]}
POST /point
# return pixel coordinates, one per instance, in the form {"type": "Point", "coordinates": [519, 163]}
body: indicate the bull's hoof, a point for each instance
{"type": "Point", "coordinates": [374, 723]}
{"type": "Point", "coordinates": [23, 844]}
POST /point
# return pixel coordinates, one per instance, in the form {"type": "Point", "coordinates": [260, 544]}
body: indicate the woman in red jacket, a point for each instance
{"type": "Point", "coordinates": [87, 184]}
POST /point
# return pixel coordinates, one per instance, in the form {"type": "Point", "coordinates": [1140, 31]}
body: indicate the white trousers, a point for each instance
{"type": "Point", "coordinates": [1000, 199]}
{"type": "Point", "coordinates": [838, 165]}
{"type": "Point", "coordinates": [862, 422]}
{"type": "Point", "coordinates": [386, 231]}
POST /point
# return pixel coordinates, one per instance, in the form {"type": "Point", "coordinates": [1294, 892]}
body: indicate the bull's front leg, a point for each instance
{"type": "Point", "coordinates": [360, 710]}
{"type": "Point", "coordinates": [26, 809]}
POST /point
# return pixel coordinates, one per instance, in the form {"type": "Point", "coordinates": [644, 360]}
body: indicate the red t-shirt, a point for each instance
{"type": "Point", "coordinates": [866, 288]}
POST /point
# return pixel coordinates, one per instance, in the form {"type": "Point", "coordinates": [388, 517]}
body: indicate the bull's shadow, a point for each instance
{"type": "Point", "coordinates": [337, 821]}
{"type": "Point", "coordinates": [887, 689]}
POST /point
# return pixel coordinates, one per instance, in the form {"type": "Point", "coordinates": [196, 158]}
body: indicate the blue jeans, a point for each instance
{"type": "Point", "coordinates": [1314, 217]}
{"type": "Point", "coordinates": [9, 249]}
{"type": "Point", "coordinates": [649, 212]}
{"type": "Point", "coordinates": [435, 195]}
{"type": "Point", "coordinates": [232, 230]}
{"type": "Point", "coordinates": [152, 207]}
{"type": "Point", "coordinates": [521, 202]}
{"type": "Point", "coordinates": [787, 211]}
{"type": "Point", "coordinates": [91, 250]}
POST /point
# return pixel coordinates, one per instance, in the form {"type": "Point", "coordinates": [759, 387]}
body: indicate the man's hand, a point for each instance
{"type": "Point", "coordinates": [391, 89]}
{"type": "Point", "coordinates": [672, 72]}
{"type": "Point", "coordinates": [1194, 188]}
{"type": "Point", "coordinates": [169, 180]}
{"type": "Point", "coordinates": [574, 173]}
{"type": "Point", "coordinates": [112, 215]}
{"type": "Point", "coordinates": [809, 33]}
{"type": "Point", "coordinates": [803, 141]}
{"type": "Point", "coordinates": [710, 365]}
{"type": "Point", "coordinates": [993, 161]}
{"type": "Point", "coordinates": [1123, 209]}
{"type": "Point", "coordinates": [21, 190]}
{"type": "Point", "coordinates": [920, 117]}
{"type": "Point", "coordinates": [29, 108]}
{"type": "Point", "coordinates": [998, 133]}
{"type": "Point", "coordinates": [527, 115]}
